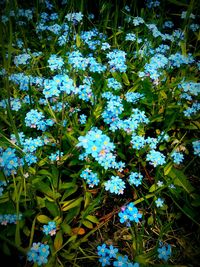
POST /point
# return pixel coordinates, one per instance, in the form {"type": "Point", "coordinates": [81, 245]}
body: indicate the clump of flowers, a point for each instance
{"type": "Point", "coordinates": [38, 253]}
{"type": "Point", "coordinates": [9, 218]}
{"type": "Point", "coordinates": [177, 157]}
{"type": "Point", "coordinates": [196, 147]}
{"type": "Point", "coordinates": [155, 158]}
{"type": "Point", "coordinates": [90, 177]}
{"type": "Point", "coordinates": [36, 119]}
{"type": "Point", "coordinates": [99, 146]}
{"type": "Point", "coordinates": [129, 213]}
{"type": "Point", "coordinates": [9, 161]}
{"type": "Point", "coordinates": [55, 62]}
{"type": "Point", "coordinates": [115, 185]}
{"type": "Point", "coordinates": [110, 256]}
{"type": "Point", "coordinates": [135, 178]}
{"type": "Point", "coordinates": [50, 228]}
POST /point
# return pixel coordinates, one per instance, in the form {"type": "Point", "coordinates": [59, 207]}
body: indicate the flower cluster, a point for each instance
{"type": "Point", "coordinates": [74, 17]}
{"type": "Point", "coordinates": [196, 147]}
{"type": "Point", "coordinates": [117, 60]}
{"type": "Point", "coordinates": [177, 157]}
{"type": "Point", "coordinates": [90, 177]}
{"type": "Point", "coordinates": [155, 158]}
{"type": "Point", "coordinates": [9, 218]}
{"type": "Point", "coordinates": [9, 161]}
{"type": "Point", "coordinates": [50, 228]}
{"type": "Point", "coordinates": [135, 178]}
{"type": "Point", "coordinates": [129, 213]}
{"type": "Point", "coordinates": [110, 256]}
{"type": "Point", "coordinates": [35, 119]}
{"type": "Point", "coordinates": [115, 185]}
{"type": "Point", "coordinates": [55, 62]}
{"type": "Point", "coordinates": [99, 146]}
{"type": "Point", "coordinates": [38, 253]}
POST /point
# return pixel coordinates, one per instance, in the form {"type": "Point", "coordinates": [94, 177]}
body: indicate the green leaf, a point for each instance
{"type": "Point", "coordinates": [69, 192]}
{"type": "Point", "coordinates": [43, 219]}
{"type": "Point", "coordinates": [98, 110]}
{"type": "Point", "coordinates": [92, 218]}
{"type": "Point", "coordinates": [46, 190]}
{"type": "Point", "coordinates": [168, 168]}
{"type": "Point", "coordinates": [72, 214]}
{"type": "Point", "coordinates": [66, 228]}
{"type": "Point", "coordinates": [196, 201]}
{"type": "Point", "coordinates": [78, 40]}
{"type": "Point", "coordinates": [87, 224]}
{"type": "Point", "coordinates": [150, 220]}
{"type": "Point", "coordinates": [180, 179]}
{"type": "Point", "coordinates": [178, 3]}
{"type": "Point", "coordinates": [153, 188]}
{"type": "Point", "coordinates": [52, 208]}
{"type": "Point", "coordinates": [125, 79]}
{"type": "Point", "coordinates": [42, 162]}
{"type": "Point", "coordinates": [58, 241]}
{"type": "Point", "coordinates": [44, 172]}
{"type": "Point", "coordinates": [71, 204]}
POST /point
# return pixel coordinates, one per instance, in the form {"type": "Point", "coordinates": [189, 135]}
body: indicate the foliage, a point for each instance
{"type": "Point", "coordinates": [100, 150]}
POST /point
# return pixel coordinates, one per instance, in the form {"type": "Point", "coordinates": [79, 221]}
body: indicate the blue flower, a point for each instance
{"type": "Point", "coordinates": [105, 261]}
{"type": "Point", "coordinates": [129, 213]}
{"type": "Point", "coordinates": [38, 253]}
{"type": "Point", "coordinates": [102, 250]}
{"type": "Point", "coordinates": [177, 157]}
{"type": "Point", "coordinates": [164, 252]}
{"type": "Point", "coordinates": [159, 202]}
{"type": "Point", "coordinates": [115, 185]}
{"type": "Point", "coordinates": [196, 147]}
{"type": "Point", "coordinates": [135, 178]}
{"type": "Point", "coordinates": [155, 158]}
{"type": "Point", "coordinates": [121, 261]}
{"type": "Point", "coordinates": [82, 119]}
{"type": "Point", "coordinates": [50, 228]}
{"type": "Point", "coordinates": [90, 177]}
{"type": "Point", "coordinates": [55, 62]}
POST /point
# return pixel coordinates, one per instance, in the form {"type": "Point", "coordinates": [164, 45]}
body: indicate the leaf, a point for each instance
{"type": "Point", "coordinates": [88, 197]}
{"type": "Point", "coordinates": [181, 180]}
{"type": "Point", "coordinates": [42, 162]}
{"type": "Point", "coordinates": [58, 241]}
{"type": "Point", "coordinates": [43, 219]}
{"type": "Point", "coordinates": [98, 110]}
{"type": "Point", "coordinates": [196, 201]}
{"type": "Point", "coordinates": [71, 204]}
{"type": "Point", "coordinates": [153, 188]}
{"type": "Point", "coordinates": [71, 214]}
{"type": "Point", "coordinates": [69, 192]}
{"type": "Point", "coordinates": [125, 79]}
{"type": "Point", "coordinates": [78, 40]}
{"type": "Point", "coordinates": [150, 220]}
{"type": "Point", "coordinates": [168, 168]}
{"type": "Point", "coordinates": [44, 188]}
{"type": "Point", "coordinates": [44, 172]}
{"type": "Point", "coordinates": [92, 219]}
{"type": "Point", "coordinates": [66, 228]}
{"type": "Point", "coordinates": [52, 208]}
{"type": "Point", "coordinates": [88, 224]}
{"type": "Point", "coordinates": [178, 3]}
